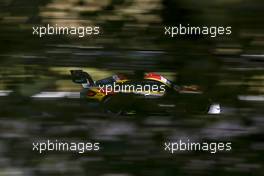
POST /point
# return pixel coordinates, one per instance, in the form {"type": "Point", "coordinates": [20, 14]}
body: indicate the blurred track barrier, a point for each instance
{"type": "Point", "coordinates": [57, 95]}
{"type": "Point", "coordinates": [4, 93]}
{"type": "Point", "coordinates": [251, 97]}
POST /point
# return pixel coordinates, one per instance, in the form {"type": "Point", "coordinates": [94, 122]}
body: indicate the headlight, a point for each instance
{"type": "Point", "coordinates": [214, 109]}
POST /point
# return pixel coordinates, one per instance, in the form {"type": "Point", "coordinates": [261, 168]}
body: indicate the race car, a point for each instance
{"type": "Point", "coordinates": [152, 93]}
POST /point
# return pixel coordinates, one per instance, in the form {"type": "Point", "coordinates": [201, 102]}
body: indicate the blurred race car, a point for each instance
{"type": "Point", "coordinates": [152, 93]}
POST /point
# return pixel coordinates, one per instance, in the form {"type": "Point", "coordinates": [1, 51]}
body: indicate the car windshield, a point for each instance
{"type": "Point", "coordinates": [105, 81]}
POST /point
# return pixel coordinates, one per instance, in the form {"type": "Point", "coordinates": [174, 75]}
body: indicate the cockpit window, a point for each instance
{"type": "Point", "coordinates": [106, 81]}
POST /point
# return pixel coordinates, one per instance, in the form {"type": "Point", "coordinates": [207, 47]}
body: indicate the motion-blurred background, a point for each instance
{"type": "Point", "coordinates": [229, 68]}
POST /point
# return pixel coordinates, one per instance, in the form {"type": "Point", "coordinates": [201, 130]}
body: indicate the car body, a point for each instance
{"type": "Point", "coordinates": [151, 93]}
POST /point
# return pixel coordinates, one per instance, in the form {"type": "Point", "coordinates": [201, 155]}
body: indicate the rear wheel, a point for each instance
{"type": "Point", "coordinates": [118, 104]}
{"type": "Point", "coordinates": [110, 106]}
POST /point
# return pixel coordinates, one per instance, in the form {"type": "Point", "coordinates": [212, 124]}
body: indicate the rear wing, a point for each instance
{"type": "Point", "coordinates": [81, 77]}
